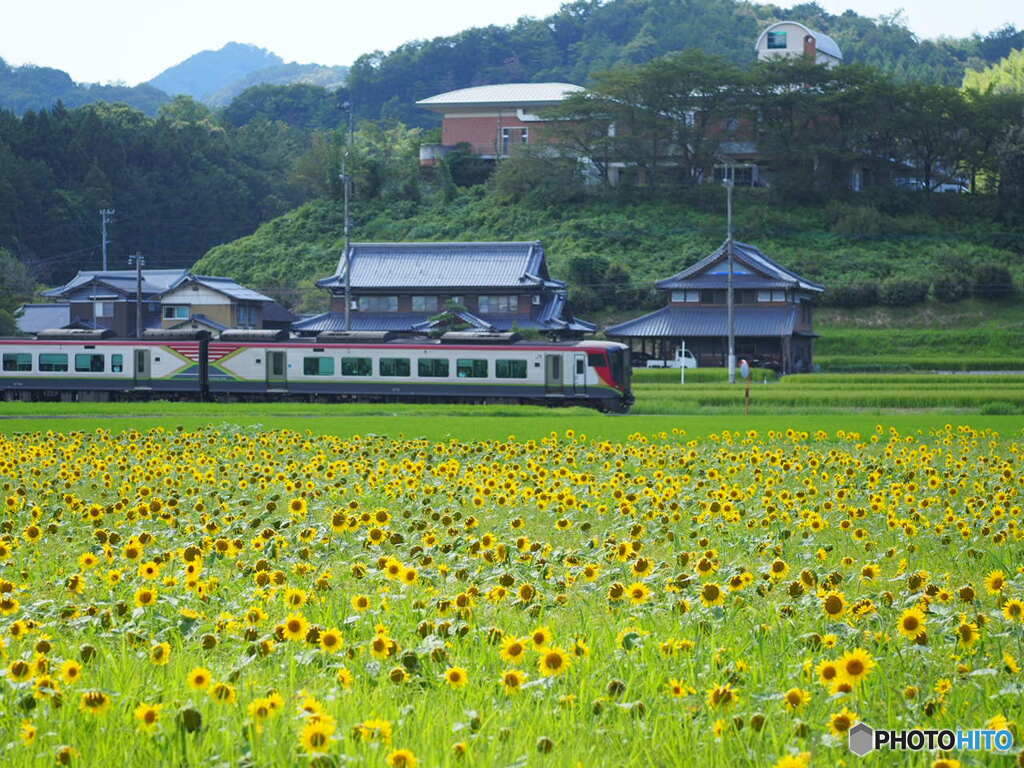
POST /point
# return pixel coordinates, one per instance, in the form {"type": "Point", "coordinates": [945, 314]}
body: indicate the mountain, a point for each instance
{"type": "Point", "coordinates": [35, 88]}
{"type": "Point", "coordinates": [283, 74]}
{"type": "Point", "coordinates": [203, 74]}
{"type": "Point", "coordinates": [587, 36]}
{"type": "Point", "coordinates": [216, 77]}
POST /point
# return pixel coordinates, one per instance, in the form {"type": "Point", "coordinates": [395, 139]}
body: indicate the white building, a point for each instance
{"type": "Point", "coordinates": [790, 38]}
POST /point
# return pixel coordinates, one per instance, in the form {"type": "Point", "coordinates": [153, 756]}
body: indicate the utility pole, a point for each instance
{"type": "Point", "coordinates": [105, 215]}
{"type": "Point", "coordinates": [728, 179]}
{"type": "Point", "coordinates": [139, 260]}
{"type": "Point", "coordinates": [346, 181]}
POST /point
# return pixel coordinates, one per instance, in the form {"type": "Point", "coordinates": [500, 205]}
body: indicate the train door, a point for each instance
{"type": "Point", "coordinates": [553, 374]}
{"type": "Point", "coordinates": [276, 366]}
{"type": "Point", "coordinates": [143, 371]}
{"type": "Point", "coordinates": [579, 373]}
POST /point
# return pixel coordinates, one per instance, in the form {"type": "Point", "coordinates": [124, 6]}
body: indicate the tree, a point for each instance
{"type": "Point", "coordinates": [1005, 76]}
{"type": "Point", "coordinates": [16, 287]}
{"type": "Point", "coordinates": [1010, 153]}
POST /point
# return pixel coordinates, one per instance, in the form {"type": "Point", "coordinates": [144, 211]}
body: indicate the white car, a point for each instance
{"type": "Point", "coordinates": [683, 359]}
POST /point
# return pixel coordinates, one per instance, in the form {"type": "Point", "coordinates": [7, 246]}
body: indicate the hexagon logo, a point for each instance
{"type": "Point", "coordinates": [861, 739]}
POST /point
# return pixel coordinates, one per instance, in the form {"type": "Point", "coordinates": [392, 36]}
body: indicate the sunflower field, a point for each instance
{"type": "Point", "coordinates": [247, 598]}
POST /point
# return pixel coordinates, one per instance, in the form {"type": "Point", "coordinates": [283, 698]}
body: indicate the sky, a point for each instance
{"type": "Point", "coordinates": [134, 40]}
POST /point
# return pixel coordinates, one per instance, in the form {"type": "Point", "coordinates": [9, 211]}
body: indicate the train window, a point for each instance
{"type": "Point", "coordinates": [17, 361]}
{"type": "Point", "coordinates": [117, 363]}
{"type": "Point", "coordinates": [471, 369]}
{"type": "Point", "coordinates": [86, 363]}
{"type": "Point", "coordinates": [53, 362]}
{"type": "Point", "coordinates": [432, 367]}
{"type": "Point", "coordinates": [580, 367]}
{"type": "Point", "coordinates": [596, 359]}
{"type": "Point", "coordinates": [356, 366]}
{"type": "Point", "coordinates": [318, 366]}
{"type": "Point", "coordinates": [395, 366]}
{"type": "Point", "coordinates": [510, 369]}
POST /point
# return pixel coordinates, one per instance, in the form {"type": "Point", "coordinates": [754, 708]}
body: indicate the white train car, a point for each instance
{"type": "Point", "coordinates": [267, 365]}
{"type": "Point", "coordinates": [90, 365]}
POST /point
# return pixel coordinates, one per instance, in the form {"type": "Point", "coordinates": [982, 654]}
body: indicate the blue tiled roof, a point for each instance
{"type": "Point", "coordinates": [42, 317]}
{"type": "Point", "coordinates": [687, 322]}
{"type": "Point", "coordinates": [745, 257]}
{"type": "Point", "coordinates": [455, 265]}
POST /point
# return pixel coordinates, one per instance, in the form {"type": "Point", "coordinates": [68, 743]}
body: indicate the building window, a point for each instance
{"type": "Point", "coordinates": [395, 366]}
{"type": "Point", "coordinates": [432, 367]}
{"type": "Point", "coordinates": [510, 369]}
{"type": "Point", "coordinates": [18, 361]}
{"type": "Point", "coordinates": [103, 309]}
{"type": "Point", "coordinates": [246, 314]}
{"type": "Point", "coordinates": [776, 41]}
{"type": "Point", "coordinates": [689, 296]}
{"type": "Point", "coordinates": [86, 363]}
{"type": "Point", "coordinates": [318, 366]}
{"type": "Point", "coordinates": [424, 303]}
{"type": "Point", "coordinates": [498, 304]}
{"type": "Point", "coordinates": [117, 363]}
{"type": "Point", "coordinates": [471, 369]}
{"type": "Point", "coordinates": [178, 312]}
{"type": "Point", "coordinates": [55, 363]}
{"type": "Point", "coordinates": [525, 137]}
{"type": "Point", "coordinates": [773, 295]}
{"type": "Point", "coordinates": [505, 135]}
{"type": "Point", "coordinates": [378, 304]}
{"type": "Point", "coordinates": [356, 366]}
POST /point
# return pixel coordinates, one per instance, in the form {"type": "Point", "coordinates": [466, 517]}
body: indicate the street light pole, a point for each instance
{"type": "Point", "coordinates": [140, 262]}
{"type": "Point", "coordinates": [730, 299]}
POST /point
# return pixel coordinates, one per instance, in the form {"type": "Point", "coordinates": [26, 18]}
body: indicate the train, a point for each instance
{"type": "Point", "coordinates": [241, 364]}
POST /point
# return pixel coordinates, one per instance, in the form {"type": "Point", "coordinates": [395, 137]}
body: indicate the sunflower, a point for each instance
{"type": "Point", "coordinates": [402, 758]}
{"type": "Point", "coordinates": [801, 760]}
{"type": "Point", "coordinates": [995, 581]}
{"type": "Point", "coordinates": [70, 671]}
{"type": "Point", "coordinates": [722, 696]}
{"type": "Point", "coordinates": [911, 623]}
{"type": "Point", "coordinates": [360, 603]}
{"type": "Point", "coordinates": [27, 733]}
{"type": "Point", "coordinates": [198, 678]}
{"type": "Point", "coordinates": [374, 730]}
{"type": "Point", "coordinates": [145, 597]}
{"type": "Point", "coordinates": [841, 722]}
{"type": "Point", "coordinates": [828, 672]}
{"type": "Point", "coordinates": [711, 594]}
{"type": "Point", "coordinates": [796, 698]}
{"type": "Point", "coordinates": [295, 627]}
{"type": "Point", "coordinates": [330, 640]}
{"type": "Point", "coordinates": [553, 661]}
{"type": "Point", "coordinates": [833, 604]}
{"type": "Point", "coordinates": [513, 649]}
{"type": "Point", "coordinates": [638, 592]}
{"type": "Point", "coordinates": [223, 693]}
{"type": "Point", "coordinates": [19, 671]}
{"type": "Point", "coordinates": [315, 737]}
{"type": "Point", "coordinates": [456, 677]}
{"type": "Point", "coordinates": [94, 702]}
{"type": "Point", "coordinates": [1013, 610]}
{"type": "Point", "coordinates": [677, 689]}
{"type": "Point", "coordinates": [967, 632]}
{"type": "Point", "coordinates": [541, 637]}
{"type": "Point", "coordinates": [160, 654]}
{"type": "Point", "coordinates": [148, 716]}
{"type": "Point", "coordinates": [855, 665]}
{"type": "Point", "coordinates": [512, 680]}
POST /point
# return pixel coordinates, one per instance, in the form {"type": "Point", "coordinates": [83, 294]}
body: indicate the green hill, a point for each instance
{"type": "Point", "coordinates": [207, 72]}
{"type": "Point", "coordinates": [839, 244]}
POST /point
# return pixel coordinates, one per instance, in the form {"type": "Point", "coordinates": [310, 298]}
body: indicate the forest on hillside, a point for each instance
{"type": "Point", "coordinates": [589, 36]}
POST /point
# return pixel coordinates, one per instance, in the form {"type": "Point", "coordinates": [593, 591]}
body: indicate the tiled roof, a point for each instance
{"type": "Point", "coordinates": [708, 321]}
{"type": "Point", "coordinates": [229, 288]}
{"type": "Point", "coordinates": [42, 317]}
{"type": "Point", "coordinates": [503, 93]}
{"type": "Point", "coordinates": [154, 281]}
{"type": "Point", "coordinates": [456, 265]}
{"type": "Point", "coordinates": [743, 254]}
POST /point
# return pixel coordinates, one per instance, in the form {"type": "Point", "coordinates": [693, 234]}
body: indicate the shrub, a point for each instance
{"type": "Point", "coordinates": [950, 287]}
{"type": "Point", "coordinates": [901, 292]}
{"type": "Point", "coordinates": [850, 295]}
{"type": "Point", "coordinates": [998, 409]}
{"type": "Point", "coordinates": [992, 281]}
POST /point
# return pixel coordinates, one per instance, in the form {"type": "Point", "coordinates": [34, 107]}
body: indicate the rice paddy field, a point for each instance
{"type": "Point", "coordinates": [272, 585]}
